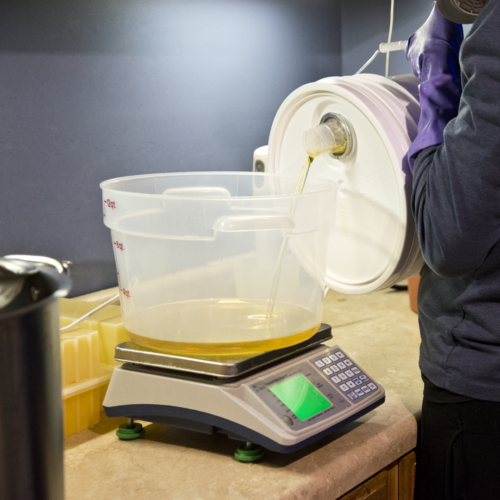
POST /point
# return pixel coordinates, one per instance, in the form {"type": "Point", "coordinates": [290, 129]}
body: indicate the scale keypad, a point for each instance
{"type": "Point", "coordinates": [346, 376]}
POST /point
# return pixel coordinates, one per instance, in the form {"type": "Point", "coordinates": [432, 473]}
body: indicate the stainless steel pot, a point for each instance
{"type": "Point", "coordinates": [31, 419]}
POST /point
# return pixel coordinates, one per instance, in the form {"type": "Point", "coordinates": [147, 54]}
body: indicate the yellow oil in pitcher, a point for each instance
{"type": "Point", "coordinates": [240, 327]}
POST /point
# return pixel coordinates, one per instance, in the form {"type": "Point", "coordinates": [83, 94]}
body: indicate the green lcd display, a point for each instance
{"type": "Point", "coordinates": [301, 397]}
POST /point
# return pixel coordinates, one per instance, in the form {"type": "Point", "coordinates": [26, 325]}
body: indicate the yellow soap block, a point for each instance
{"type": "Point", "coordinates": [87, 361]}
{"type": "Point", "coordinates": [112, 333]}
{"type": "Point", "coordinates": [82, 411]}
{"type": "Point", "coordinates": [107, 322]}
{"type": "Point", "coordinates": [102, 394]}
{"type": "Point", "coordinates": [79, 356]}
{"type": "Point", "coordinates": [84, 379]}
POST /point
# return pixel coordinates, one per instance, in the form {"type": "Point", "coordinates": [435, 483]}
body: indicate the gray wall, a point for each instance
{"type": "Point", "coordinates": [95, 89]}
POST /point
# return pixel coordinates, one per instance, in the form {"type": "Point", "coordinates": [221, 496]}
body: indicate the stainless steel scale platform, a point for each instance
{"type": "Point", "coordinates": [223, 367]}
{"type": "Point", "coordinates": [282, 400]}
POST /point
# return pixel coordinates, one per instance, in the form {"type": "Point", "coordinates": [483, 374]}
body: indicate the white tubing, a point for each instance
{"type": "Point", "coordinates": [367, 63]}
{"type": "Point", "coordinates": [384, 48]}
{"type": "Point", "coordinates": [85, 316]}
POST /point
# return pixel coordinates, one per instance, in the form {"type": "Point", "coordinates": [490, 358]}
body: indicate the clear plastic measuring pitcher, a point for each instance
{"type": "Point", "coordinates": [197, 254]}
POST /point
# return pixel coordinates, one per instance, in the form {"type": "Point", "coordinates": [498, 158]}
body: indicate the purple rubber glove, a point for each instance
{"type": "Point", "coordinates": [433, 54]}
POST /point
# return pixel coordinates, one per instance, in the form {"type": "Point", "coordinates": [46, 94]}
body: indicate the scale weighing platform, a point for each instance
{"type": "Point", "coordinates": [281, 400]}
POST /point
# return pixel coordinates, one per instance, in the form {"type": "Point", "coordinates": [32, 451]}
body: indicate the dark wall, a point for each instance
{"type": "Point", "coordinates": [95, 89]}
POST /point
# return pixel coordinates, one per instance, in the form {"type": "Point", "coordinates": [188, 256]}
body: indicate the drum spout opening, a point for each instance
{"type": "Point", "coordinates": [332, 136]}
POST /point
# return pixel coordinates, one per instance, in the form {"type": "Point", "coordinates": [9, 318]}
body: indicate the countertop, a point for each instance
{"type": "Point", "coordinates": [378, 330]}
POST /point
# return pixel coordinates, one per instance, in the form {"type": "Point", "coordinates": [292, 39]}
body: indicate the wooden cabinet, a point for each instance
{"type": "Point", "coordinates": [395, 482]}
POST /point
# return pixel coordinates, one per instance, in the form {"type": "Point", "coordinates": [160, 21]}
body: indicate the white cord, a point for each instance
{"type": "Point", "coordinates": [389, 39]}
{"type": "Point", "coordinates": [377, 52]}
{"type": "Point", "coordinates": [84, 317]}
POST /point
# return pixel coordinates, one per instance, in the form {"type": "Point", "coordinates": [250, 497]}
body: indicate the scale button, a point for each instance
{"type": "Point", "coordinates": [336, 380]}
{"type": "Point", "coordinates": [349, 373]}
{"type": "Point", "coordinates": [355, 370]}
{"type": "Point", "coordinates": [327, 371]}
{"type": "Point", "coordinates": [359, 392]}
{"type": "Point", "coordinates": [287, 420]}
{"type": "Point", "coordinates": [340, 355]}
{"type": "Point", "coordinates": [341, 365]}
{"type": "Point", "coordinates": [372, 386]}
{"type": "Point", "coordinates": [333, 357]}
{"type": "Point", "coordinates": [344, 387]}
{"type": "Point", "coordinates": [343, 376]}
{"type": "Point", "coordinates": [348, 362]}
{"type": "Point", "coordinates": [351, 384]}
{"type": "Point", "coordinates": [365, 389]}
{"type": "Point", "coordinates": [335, 368]}
{"type": "Point", "coordinates": [352, 395]}
{"type": "Point", "coordinates": [327, 361]}
{"type": "Point", "coordinates": [319, 363]}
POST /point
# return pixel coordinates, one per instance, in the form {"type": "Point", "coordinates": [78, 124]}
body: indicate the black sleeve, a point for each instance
{"type": "Point", "coordinates": [456, 185]}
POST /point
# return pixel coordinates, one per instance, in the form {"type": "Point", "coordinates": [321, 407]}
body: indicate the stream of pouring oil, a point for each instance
{"type": "Point", "coordinates": [277, 274]}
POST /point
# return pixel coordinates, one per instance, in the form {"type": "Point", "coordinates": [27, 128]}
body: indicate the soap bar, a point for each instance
{"type": "Point", "coordinates": [79, 356]}
{"type": "Point", "coordinates": [83, 379]}
{"type": "Point", "coordinates": [82, 411]}
{"type": "Point", "coordinates": [112, 333]}
{"type": "Point", "coordinates": [87, 361]}
{"type": "Point", "coordinates": [107, 322]}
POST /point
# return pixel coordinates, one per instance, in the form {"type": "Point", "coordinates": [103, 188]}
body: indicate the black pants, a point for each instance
{"type": "Point", "coordinates": [458, 456]}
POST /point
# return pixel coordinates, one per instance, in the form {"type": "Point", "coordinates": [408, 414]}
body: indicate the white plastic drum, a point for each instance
{"type": "Point", "coordinates": [373, 244]}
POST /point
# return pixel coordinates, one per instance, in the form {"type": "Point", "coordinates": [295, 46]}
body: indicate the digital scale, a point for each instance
{"type": "Point", "coordinates": [281, 400]}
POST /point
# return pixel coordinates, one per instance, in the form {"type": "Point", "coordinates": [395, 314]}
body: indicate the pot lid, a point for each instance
{"type": "Point", "coordinates": [26, 279]}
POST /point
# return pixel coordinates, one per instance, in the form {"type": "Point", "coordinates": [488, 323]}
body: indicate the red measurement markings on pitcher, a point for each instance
{"type": "Point", "coordinates": [125, 292]}
{"type": "Point", "coordinates": [110, 204]}
{"type": "Point", "coordinates": [118, 245]}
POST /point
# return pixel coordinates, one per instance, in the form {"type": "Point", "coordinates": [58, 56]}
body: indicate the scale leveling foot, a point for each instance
{"type": "Point", "coordinates": [130, 431]}
{"type": "Point", "coordinates": [249, 453]}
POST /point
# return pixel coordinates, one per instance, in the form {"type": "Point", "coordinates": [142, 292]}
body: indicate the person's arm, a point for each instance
{"type": "Point", "coordinates": [456, 185]}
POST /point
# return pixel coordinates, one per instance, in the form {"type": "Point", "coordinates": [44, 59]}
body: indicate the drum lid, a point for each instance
{"type": "Point", "coordinates": [373, 243]}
